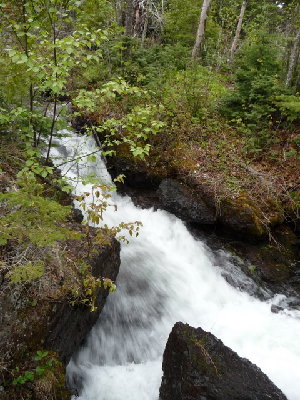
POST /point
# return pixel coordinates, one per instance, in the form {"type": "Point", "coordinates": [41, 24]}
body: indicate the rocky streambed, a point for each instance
{"type": "Point", "coordinates": [127, 339]}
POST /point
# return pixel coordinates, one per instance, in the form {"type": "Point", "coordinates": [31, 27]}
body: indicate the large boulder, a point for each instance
{"type": "Point", "coordinates": [198, 366]}
{"type": "Point", "coordinates": [184, 203]}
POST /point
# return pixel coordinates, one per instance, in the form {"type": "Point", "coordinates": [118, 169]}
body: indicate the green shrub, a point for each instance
{"type": "Point", "coordinates": [289, 106]}
{"type": "Point", "coordinates": [256, 84]}
{"type": "Point", "coordinates": [196, 91]}
{"type": "Point", "coordinates": [32, 218]}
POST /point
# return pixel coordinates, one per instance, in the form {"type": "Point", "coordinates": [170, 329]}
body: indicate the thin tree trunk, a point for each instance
{"type": "Point", "coordinates": [293, 60]}
{"type": "Point", "coordinates": [31, 95]}
{"type": "Point", "coordinates": [52, 128]}
{"type": "Point", "coordinates": [201, 28]}
{"type": "Point", "coordinates": [146, 21]}
{"type": "Point", "coordinates": [238, 31]}
{"type": "Point", "coordinates": [55, 95]}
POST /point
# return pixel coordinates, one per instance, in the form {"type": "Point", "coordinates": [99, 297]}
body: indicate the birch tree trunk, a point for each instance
{"type": "Point", "coordinates": [238, 31]}
{"type": "Point", "coordinates": [293, 60]}
{"type": "Point", "coordinates": [201, 28]}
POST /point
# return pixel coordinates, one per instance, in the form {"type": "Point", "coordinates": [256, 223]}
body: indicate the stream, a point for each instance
{"type": "Point", "coordinates": [166, 276]}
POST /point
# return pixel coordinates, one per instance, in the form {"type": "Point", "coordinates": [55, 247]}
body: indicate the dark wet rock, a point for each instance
{"type": "Point", "coordinates": [294, 303]}
{"type": "Point", "coordinates": [198, 366]}
{"type": "Point", "coordinates": [50, 324]}
{"type": "Point", "coordinates": [69, 325]}
{"type": "Point", "coordinates": [284, 303]}
{"type": "Point", "coordinates": [184, 203]}
{"type": "Point", "coordinates": [137, 175]}
{"type": "Point", "coordinates": [77, 215]}
{"type": "Point", "coordinates": [80, 123]}
{"type": "Point", "coordinates": [276, 309]}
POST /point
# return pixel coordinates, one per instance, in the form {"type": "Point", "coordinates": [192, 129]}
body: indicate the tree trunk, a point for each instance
{"type": "Point", "coordinates": [146, 21]}
{"type": "Point", "coordinates": [129, 17]}
{"type": "Point", "coordinates": [119, 12]}
{"type": "Point", "coordinates": [238, 31]}
{"type": "Point", "coordinates": [293, 60]}
{"type": "Point", "coordinates": [201, 28]}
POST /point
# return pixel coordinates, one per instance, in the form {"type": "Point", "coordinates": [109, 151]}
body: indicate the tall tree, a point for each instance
{"type": "Point", "coordinates": [238, 30]}
{"type": "Point", "coordinates": [201, 28]}
{"type": "Point", "coordinates": [293, 59]}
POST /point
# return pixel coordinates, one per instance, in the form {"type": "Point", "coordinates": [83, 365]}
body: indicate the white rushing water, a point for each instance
{"type": "Point", "coordinates": [166, 276]}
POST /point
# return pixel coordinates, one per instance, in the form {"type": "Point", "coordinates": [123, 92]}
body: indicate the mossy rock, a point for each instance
{"type": "Point", "coordinates": [197, 365]}
{"type": "Point", "coordinates": [242, 215]}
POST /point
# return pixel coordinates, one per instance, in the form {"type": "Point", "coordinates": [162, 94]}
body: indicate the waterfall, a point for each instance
{"type": "Point", "coordinates": [166, 276]}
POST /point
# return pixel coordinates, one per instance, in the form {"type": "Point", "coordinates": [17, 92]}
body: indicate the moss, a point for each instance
{"type": "Point", "coordinates": [242, 215]}
{"type": "Point", "coordinates": [200, 355]}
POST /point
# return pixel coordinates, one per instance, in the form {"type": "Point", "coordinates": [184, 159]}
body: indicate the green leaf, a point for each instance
{"type": "Point", "coordinates": [39, 370]}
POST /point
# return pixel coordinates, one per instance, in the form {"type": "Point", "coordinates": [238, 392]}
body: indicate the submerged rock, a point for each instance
{"type": "Point", "coordinates": [198, 366]}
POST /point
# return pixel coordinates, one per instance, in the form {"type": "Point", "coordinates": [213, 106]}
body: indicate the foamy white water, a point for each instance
{"type": "Point", "coordinates": [167, 276]}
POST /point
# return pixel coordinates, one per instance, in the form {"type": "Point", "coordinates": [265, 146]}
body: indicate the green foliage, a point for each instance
{"type": "Point", "coordinates": [87, 294]}
{"type": "Point", "coordinates": [110, 91]}
{"type": "Point", "coordinates": [95, 204]}
{"type": "Point", "coordinates": [196, 91]}
{"type": "Point", "coordinates": [257, 83]}
{"type": "Point", "coordinates": [14, 81]}
{"type": "Point", "coordinates": [133, 125]}
{"type": "Point", "coordinates": [289, 106]}
{"type": "Point", "coordinates": [44, 363]}
{"type": "Point", "coordinates": [32, 218]}
{"type": "Point", "coordinates": [182, 21]}
{"type": "Point", "coordinates": [26, 273]}
{"type": "Point", "coordinates": [148, 67]}
{"type": "Point", "coordinates": [40, 355]}
{"type": "Point", "coordinates": [96, 13]}
{"type": "Point", "coordinates": [22, 379]}
{"type": "Point", "coordinates": [45, 55]}
{"type": "Point", "coordinates": [134, 129]}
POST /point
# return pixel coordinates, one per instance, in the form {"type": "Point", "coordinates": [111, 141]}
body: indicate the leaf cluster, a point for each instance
{"type": "Point", "coordinates": [87, 294]}
{"type": "Point", "coordinates": [44, 363]}
{"type": "Point", "coordinates": [32, 218]}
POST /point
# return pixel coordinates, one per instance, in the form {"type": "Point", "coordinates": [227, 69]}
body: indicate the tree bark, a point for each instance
{"type": "Point", "coordinates": [129, 17]}
{"type": "Point", "coordinates": [119, 11]}
{"type": "Point", "coordinates": [201, 28]}
{"type": "Point", "coordinates": [146, 21]}
{"type": "Point", "coordinates": [293, 60]}
{"type": "Point", "coordinates": [238, 31]}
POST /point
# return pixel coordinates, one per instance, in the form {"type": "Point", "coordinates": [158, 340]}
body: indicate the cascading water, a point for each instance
{"type": "Point", "coordinates": [166, 276]}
